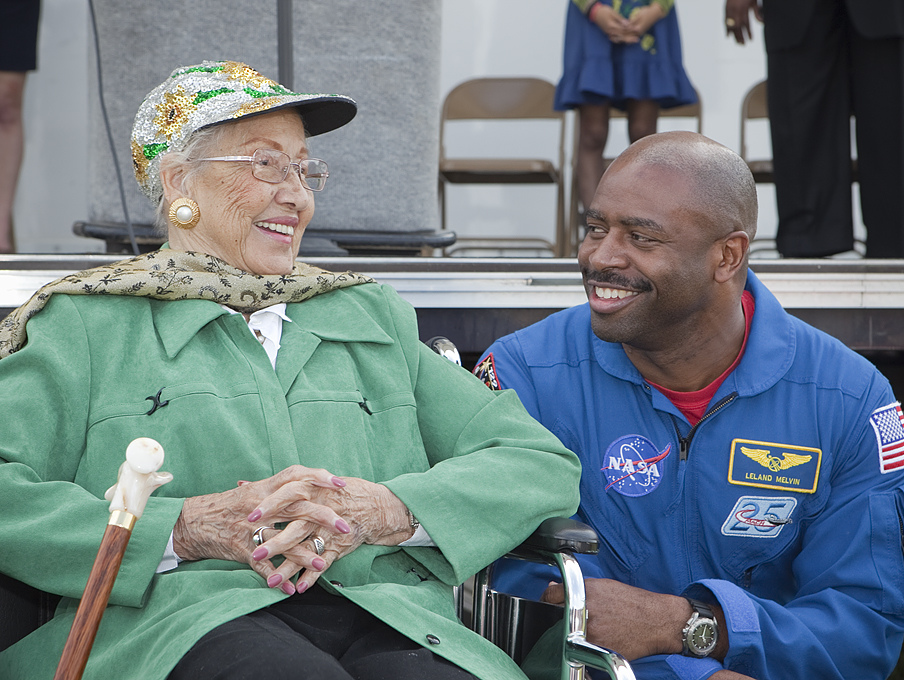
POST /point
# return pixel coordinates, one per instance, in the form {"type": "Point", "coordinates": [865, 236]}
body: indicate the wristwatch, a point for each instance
{"type": "Point", "coordinates": [701, 633]}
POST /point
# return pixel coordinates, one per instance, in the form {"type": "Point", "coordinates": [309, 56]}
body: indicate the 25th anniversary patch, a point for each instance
{"type": "Point", "coordinates": [768, 465]}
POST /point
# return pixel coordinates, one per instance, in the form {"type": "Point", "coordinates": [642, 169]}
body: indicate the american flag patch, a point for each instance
{"type": "Point", "coordinates": [888, 423]}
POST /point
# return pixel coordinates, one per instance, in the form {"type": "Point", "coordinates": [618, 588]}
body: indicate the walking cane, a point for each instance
{"type": "Point", "coordinates": [138, 477]}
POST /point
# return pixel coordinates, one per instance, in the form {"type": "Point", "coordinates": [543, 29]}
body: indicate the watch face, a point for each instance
{"type": "Point", "coordinates": [703, 637]}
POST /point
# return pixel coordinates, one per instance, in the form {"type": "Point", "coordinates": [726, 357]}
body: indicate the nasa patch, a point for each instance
{"type": "Point", "coordinates": [633, 465]}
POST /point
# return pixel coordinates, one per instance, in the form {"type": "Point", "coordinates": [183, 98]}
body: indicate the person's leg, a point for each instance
{"type": "Point", "coordinates": [593, 133]}
{"type": "Point", "coordinates": [877, 79]}
{"type": "Point", "coordinates": [380, 652]}
{"type": "Point", "coordinates": [315, 635]}
{"type": "Point", "coordinates": [809, 113]}
{"type": "Point", "coordinates": [258, 645]}
{"type": "Point", "coordinates": [367, 648]}
{"type": "Point", "coordinates": [642, 117]}
{"type": "Point", "coordinates": [12, 85]}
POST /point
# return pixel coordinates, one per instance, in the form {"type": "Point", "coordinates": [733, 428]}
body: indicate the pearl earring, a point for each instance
{"type": "Point", "coordinates": [184, 213]}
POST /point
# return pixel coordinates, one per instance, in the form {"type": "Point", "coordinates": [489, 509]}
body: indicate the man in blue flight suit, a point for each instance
{"type": "Point", "coordinates": [743, 470]}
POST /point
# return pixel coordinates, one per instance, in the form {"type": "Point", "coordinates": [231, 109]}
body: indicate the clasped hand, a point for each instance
{"type": "Point", "coordinates": [630, 30]}
{"type": "Point", "coordinates": [343, 512]}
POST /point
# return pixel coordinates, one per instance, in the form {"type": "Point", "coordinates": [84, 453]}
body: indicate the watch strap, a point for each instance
{"type": "Point", "coordinates": [703, 609]}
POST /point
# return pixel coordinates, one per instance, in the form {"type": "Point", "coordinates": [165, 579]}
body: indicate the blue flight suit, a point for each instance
{"type": "Point", "coordinates": [784, 504]}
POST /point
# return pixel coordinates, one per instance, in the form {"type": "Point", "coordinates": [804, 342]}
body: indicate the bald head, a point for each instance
{"type": "Point", "coordinates": [722, 181]}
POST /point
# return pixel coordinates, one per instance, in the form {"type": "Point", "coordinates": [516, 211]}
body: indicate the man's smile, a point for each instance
{"type": "Point", "coordinates": [611, 293]}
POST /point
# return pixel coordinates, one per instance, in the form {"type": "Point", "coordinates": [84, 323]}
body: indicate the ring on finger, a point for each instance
{"type": "Point", "coordinates": [319, 545]}
{"type": "Point", "coordinates": [731, 23]}
{"type": "Point", "coordinates": [258, 535]}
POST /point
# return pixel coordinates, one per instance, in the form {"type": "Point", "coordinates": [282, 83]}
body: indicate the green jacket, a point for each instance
{"type": "Point", "coordinates": [472, 466]}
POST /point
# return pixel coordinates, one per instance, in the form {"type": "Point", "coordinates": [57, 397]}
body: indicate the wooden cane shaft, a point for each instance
{"type": "Point", "coordinates": [94, 601]}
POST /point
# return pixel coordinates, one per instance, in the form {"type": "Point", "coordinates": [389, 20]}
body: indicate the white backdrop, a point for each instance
{"type": "Point", "coordinates": [479, 37]}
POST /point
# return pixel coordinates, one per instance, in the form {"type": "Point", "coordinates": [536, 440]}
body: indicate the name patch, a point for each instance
{"type": "Point", "coordinates": [759, 516]}
{"type": "Point", "coordinates": [768, 465]}
{"type": "Point", "coordinates": [632, 465]}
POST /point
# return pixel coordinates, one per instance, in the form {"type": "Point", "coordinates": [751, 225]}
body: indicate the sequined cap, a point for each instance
{"type": "Point", "coordinates": [194, 97]}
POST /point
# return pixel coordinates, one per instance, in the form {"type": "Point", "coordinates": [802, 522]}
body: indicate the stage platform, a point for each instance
{"type": "Point", "coordinates": [473, 301]}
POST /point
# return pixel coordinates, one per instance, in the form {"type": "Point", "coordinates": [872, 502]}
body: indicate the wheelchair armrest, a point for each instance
{"type": "Point", "coordinates": [558, 535]}
{"type": "Point", "coordinates": [515, 624]}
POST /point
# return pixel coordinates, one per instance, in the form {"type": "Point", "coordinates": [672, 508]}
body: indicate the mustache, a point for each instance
{"type": "Point", "coordinates": [613, 278]}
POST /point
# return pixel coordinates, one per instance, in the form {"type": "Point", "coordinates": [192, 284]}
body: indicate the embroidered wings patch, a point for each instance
{"type": "Point", "coordinates": [888, 424]}
{"type": "Point", "coordinates": [769, 465]}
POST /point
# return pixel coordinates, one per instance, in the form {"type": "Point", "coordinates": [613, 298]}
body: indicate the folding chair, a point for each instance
{"type": "Point", "coordinates": [515, 98]}
{"type": "Point", "coordinates": [755, 107]}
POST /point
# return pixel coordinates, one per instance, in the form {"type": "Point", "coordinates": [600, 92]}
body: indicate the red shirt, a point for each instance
{"type": "Point", "coordinates": [693, 404]}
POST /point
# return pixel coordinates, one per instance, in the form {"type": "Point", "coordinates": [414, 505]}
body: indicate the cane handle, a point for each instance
{"type": "Point", "coordinates": [138, 478]}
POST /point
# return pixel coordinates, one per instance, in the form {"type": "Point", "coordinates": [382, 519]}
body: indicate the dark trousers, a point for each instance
{"type": "Point", "coordinates": [813, 90]}
{"type": "Point", "coordinates": [313, 635]}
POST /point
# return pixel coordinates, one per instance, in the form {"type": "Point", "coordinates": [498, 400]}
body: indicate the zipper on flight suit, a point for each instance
{"type": "Point", "coordinates": [748, 577]}
{"type": "Point", "coordinates": [684, 443]}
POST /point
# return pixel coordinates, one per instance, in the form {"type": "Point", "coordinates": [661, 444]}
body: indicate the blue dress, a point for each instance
{"type": "Point", "coordinates": [596, 71]}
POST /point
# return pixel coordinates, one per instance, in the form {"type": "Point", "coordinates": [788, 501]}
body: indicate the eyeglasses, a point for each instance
{"type": "Point", "coordinates": [273, 166]}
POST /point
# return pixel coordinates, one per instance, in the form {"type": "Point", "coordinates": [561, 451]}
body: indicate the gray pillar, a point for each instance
{"type": "Point", "coordinates": [385, 55]}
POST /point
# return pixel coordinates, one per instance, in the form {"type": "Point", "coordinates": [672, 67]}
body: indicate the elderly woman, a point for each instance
{"type": "Point", "coordinates": [333, 478]}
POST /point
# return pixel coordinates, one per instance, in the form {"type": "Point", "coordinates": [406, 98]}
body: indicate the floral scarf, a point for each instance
{"type": "Point", "coordinates": [179, 275]}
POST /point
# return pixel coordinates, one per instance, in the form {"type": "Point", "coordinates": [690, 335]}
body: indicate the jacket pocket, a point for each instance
{"type": "Point", "coordinates": [764, 557]}
{"type": "Point", "coordinates": [376, 437]}
{"type": "Point", "coordinates": [887, 546]}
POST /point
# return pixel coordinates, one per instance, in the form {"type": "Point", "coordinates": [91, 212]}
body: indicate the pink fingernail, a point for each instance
{"type": "Point", "coordinates": [318, 564]}
{"type": "Point", "coordinates": [255, 515]}
{"type": "Point", "coordinates": [274, 580]}
{"type": "Point", "coordinates": [260, 554]}
{"type": "Point", "coordinates": [338, 482]}
{"type": "Point", "coordinates": [288, 588]}
{"type": "Point", "coordinates": [301, 587]}
{"type": "Point", "coordinates": [342, 526]}
{"type": "Point", "coordinates": [243, 481]}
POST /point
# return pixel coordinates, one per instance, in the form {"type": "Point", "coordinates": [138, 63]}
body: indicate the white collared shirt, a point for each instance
{"type": "Point", "coordinates": [266, 325]}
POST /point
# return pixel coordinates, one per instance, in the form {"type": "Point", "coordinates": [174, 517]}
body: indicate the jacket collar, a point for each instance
{"type": "Point", "coordinates": [338, 316]}
{"type": "Point", "coordinates": [335, 316]}
{"type": "Point", "coordinates": [178, 322]}
{"type": "Point", "coordinates": [770, 349]}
